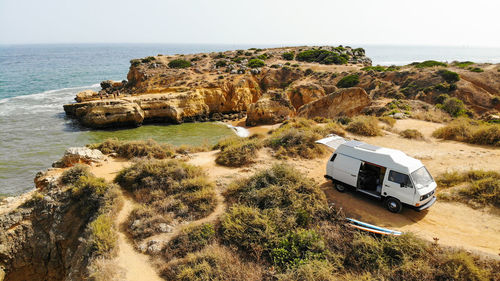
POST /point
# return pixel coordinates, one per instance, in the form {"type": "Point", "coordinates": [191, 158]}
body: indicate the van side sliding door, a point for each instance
{"type": "Point", "coordinates": [346, 169]}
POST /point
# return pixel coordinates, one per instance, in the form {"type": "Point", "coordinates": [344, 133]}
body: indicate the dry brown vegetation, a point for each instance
{"type": "Point", "coordinates": [478, 188]}
{"type": "Point", "coordinates": [132, 149]}
{"type": "Point", "coordinates": [432, 115]}
{"type": "Point", "coordinates": [365, 126]}
{"type": "Point", "coordinates": [168, 191]}
{"type": "Point", "coordinates": [411, 134]}
{"type": "Point", "coordinates": [236, 151]}
{"type": "Point", "coordinates": [471, 131]}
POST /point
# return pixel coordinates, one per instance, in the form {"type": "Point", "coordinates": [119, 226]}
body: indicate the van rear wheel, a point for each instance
{"type": "Point", "coordinates": [393, 205]}
{"type": "Point", "coordinates": [339, 187]}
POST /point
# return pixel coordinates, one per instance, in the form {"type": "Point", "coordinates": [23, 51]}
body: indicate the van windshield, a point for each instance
{"type": "Point", "coordinates": [421, 178]}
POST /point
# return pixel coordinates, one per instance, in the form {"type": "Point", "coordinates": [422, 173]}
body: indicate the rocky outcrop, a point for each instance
{"type": "Point", "coordinates": [303, 93]}
{"type": "Point", "coordinates": [274, 107]}
{"type": "Point", "coordinates": [348, 102]}
{"type": "Point", "coordinates": [75, 155]}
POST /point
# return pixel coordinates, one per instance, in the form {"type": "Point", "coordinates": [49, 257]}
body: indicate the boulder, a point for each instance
{"type": "Point", "coordinates": [344, 102]}
{"type": "Point", "coordinates": [304, 93]}
{"type": "Point", "coordinates": [273, 107]}
{"type": "Point", "coordinates": [86, 96]}
{"type": "Point", "coordinates": [74, 155]}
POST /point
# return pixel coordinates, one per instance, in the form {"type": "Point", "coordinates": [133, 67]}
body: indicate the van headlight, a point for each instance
{"type": "Point", "coordinates": [422, 197]}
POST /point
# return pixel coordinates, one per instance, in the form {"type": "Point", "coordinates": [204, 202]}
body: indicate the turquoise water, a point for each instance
{"type": "Point", "coordinates": [36, 80]}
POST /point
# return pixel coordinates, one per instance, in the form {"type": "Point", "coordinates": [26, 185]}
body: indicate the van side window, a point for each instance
{"type": "Point", "coordinates": [333, 157]}
{"type": "Point", "coordinates": [399, 178]}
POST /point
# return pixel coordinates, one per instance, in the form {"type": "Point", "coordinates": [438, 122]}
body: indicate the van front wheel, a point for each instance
{"type": "Point", "coordinates": [393, 205]}
{"type": "Point", "coordinates": [339, 187]}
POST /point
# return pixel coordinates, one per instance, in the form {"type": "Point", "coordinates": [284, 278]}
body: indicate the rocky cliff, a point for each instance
{"type": "Point", "coordinates": [203, 87]}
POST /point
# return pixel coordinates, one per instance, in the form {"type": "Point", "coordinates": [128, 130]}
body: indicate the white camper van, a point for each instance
{"type": "Point", "coordinates": [383, 173]}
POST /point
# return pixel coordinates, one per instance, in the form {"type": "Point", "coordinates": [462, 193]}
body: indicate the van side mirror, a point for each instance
{"type": "Point", "coordinates": [402, 184]}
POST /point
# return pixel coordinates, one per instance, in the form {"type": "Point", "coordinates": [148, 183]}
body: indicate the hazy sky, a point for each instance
{"type": "Point", "coordinates": [416, 22]}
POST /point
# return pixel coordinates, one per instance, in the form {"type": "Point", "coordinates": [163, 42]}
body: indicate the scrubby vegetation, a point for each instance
{"type": "Point", "coordinates": [179, 63]}
{"type": "Point", "coordinates": [475, 69]}
{"type": "Point", "coordinates": [471, 131]}
{"type": "Point", "coordinates": [428, 63]}
{"type": "Point", "coordinates": [131, 149]}
{"type": "Point", "coordinates": [462, 64]}
{"type": "Point", "coordinates": [411, 134]}
{"type": "Point", "coordinates": [236, 151]}
{"type": "Point", "coordinates": [348, 81]}
{"type": "Point", "coordinates": [72, 174]}
{"type": "Point", "coordinates": [322, 56]}
{"type": "Point", "coordinates": [453, 106]}
{"type": "Point", "coordinates": [297, 137]}
{"type": "Point", "coordinates": [387, 120]}
{"type": "Point", "coordinates": [474, 187]}
{"type": "Point", "coordinates": [167, 190]}
{"type": "Point", "coordinates": [288, 56]}
{"type": "Point", "coordinates": [449, 76]}
{"type": "Point", "coordinates": [254, 63]}
{"type": "Point", "coordinates": [364, 125]}
{"type": "Point", "coordinates": [380, 68]}
{"type": "Point", "coordinates": [278, 226]}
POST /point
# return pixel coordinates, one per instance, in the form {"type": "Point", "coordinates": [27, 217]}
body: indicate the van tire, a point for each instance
{"type": "Point", "coordinates": [339, 187]}
{"type": "Point", "coordinates": [393, 205]}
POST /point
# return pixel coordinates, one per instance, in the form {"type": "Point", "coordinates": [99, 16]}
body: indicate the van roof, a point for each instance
{"type": "Point", "coordinates": [386, 157]}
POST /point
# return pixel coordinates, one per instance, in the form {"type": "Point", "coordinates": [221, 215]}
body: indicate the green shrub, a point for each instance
{"type": "Point", "coordinates": [263, 57]}
{"type": "Point", "coordinates": [428, 63]}
{"type": "Point", "coordinates": [135, 62]}
{"type": "Point", "coordinates": [191, 239]}
{"type": "Point", "coordinates": [254, 63]}
{"type": "Point", "coordinates": [86, 185]}
{"type": "Point", "coordinates": [103, 236]}
{"type": "Point", "coordinates": [313, 270]}
{"type": "Point", "coordinates": [236, 151]}
{"type": "Point", "coordinates": [377, 68]}
{"type": "Point", "coordinates": [475, 69]}
{"type": "Point", "coordinates": [72, 175]}
{"type": "Point", "coordinates": [248, 229]}
{"type": "Point", "coordinates": [484, 191]}
{"type": "Point", "coordinates": [365, 126]}
{"type": "Point", "coordinates": [411, 134]}
{"type": "Point", "coordinates": [462, 64]}
{"type": "Point", "coordinates": [131, 149]}
{"type": "Point", "coordinates": [348, 81]}
{"type": "Point", "coordinates": [148, 59]}
{"type": "Point", "coordinates": [288, 56]}
{"type": "Point", "coordinates": [449, 76]}
{"type": "Point", "coordinates": [220, 63]}
{"type": "Point", "coordinates": [455, 107]}
{"type": "Point", "coordinates": [179, 63]}
{"type": "Point", "coordinates": [322, 56]}
{"type": "Point", "coordinates": [297, 248]}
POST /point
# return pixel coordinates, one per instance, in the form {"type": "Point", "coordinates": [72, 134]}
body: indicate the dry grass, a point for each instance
{"type": "Point", "coordinates": [432, 115]}
{"type": "Point", "coordinates": [476, 187]}
{"type": "Point", "coordinates": [71, 175]}
{"type": "Point", "coordinates": [236, 151]}
{"type": "Point", "coordinates": [102, 269]}
{"type": "Point", "coordinates": [412, 134]}
{"type": "Point", "coordinates": [471, 131]}
{"type": "Point", "coordinates": [387, 120]}
{"type": "Point", "coordinates": [365, 126]}
{"type": "Point", "coordinates": [132, 149]}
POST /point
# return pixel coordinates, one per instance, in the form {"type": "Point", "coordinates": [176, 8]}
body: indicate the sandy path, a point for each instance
{"type": "Point", "coordinates": [135, 265]}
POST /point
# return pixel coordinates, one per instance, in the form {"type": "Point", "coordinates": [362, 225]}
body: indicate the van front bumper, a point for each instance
{"type": "Point", "coordinates": [426, 205]}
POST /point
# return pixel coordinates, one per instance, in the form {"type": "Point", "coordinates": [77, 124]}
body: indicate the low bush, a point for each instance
{"type": "Point", "coordinates": [480, 187]}
{"type": "Point", "coordinates": [461, 266]}
{"type": "Point", "coordinates": [288, 56]}
{"type": "Point", "coordinates": [322, 56]}
{"type": "Point", "coordinates": [148, 59]}
{"type": "Point", "coordinates": [255, 63]}
{"type": "Point", "coordinates": [71, 175]}
{"type": "Point", "coordinates": [191, 239]}
{"type": "Point", "coordinates": [297, 248]}
{"type": "Point", "coordinates": [365, 126]}
{"type": "Point", "coordinates": [348, 81]}
{"type": "Point", "coordinates": [388, 120]}
{"type": "Point", "coordinates": [428, 63]}
{"type": "Point", "coordinates": [449, 76]}
{"type": "Point", "coordinates": [220, 63]}
{"type": "Point", "coordinates": [214, 262]}
{"type": "Point", "coordinates": [179, 63]}
{"type": "Point", "coordinates": [411, 134]}
{"type": "Point", "coordinates": [294, 138]}
{"type": "Point", "coordinates": [379, 68]}
{"type": "Point", "coordinates": [263, 57]}
{"type": "Point", "coordinates": [236, 151]}
{"type": "Point", "coordinates": [471, 131]}
{"type": "Point", "coordinates": [462, 64]}
{"type": "Point", "coordinates": [131, 149]}
{"type": "Point", "coordinates": [86, 185]}
{"type": "Point", "coordinates": [475, 69]}
{"type": "Point", "coordinates": [103, 236]}
{"type": "Point", "coordinates": [453, 106]}
{"type": "Point", "coordinates": [432, 114]}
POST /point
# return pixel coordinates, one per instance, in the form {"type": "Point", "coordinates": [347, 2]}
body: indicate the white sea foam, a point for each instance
{"type": "Point", "coordinates": [240, 131]}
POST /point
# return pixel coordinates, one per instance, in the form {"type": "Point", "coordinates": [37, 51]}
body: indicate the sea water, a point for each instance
{"type": "Point", "coordinates": [37, 80]}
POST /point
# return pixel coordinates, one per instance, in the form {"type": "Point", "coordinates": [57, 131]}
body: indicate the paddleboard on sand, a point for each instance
{"type": "Point", "coordinates": [372, 228]}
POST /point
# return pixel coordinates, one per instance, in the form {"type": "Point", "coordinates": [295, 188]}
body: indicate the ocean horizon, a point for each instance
{"type": "Point", "coordinates": [37, 80]}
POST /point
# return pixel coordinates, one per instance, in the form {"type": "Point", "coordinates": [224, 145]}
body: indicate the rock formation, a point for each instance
{"type": "Point", "coordinates": [344, 102]}
{"type": "Point", "coordinates": [274, 107]}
